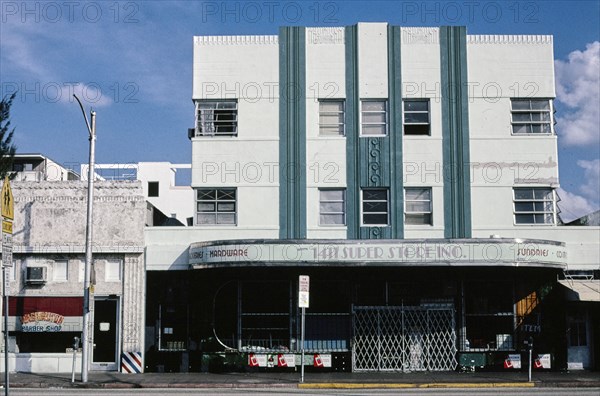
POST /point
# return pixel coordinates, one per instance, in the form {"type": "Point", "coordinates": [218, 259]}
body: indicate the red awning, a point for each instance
{"type": "Point", "coordinates": [65, 306]}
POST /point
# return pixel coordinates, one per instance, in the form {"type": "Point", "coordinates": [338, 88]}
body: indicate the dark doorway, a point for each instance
{"type": "Point", "coordinates": [105, 333]}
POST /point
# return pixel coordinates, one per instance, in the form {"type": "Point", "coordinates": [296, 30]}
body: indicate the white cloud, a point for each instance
{"type": "Point", "coordinates": [591, 188]}
{"type": "Point", "coordinates": [578, 88]}
{"type": "Point", "coordinates": [90, 94]}
{"type": "Point", "coordinates": [573, 206]}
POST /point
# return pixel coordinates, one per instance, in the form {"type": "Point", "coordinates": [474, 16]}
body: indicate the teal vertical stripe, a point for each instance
{"type": "Point", "coordinates": [374, 161]}
{"type": "Point", "coordinates": [292, 133]}
{"type": "Point", "coordinates": [455, 131]}
{"type": "Point", "coordinates": [396, 132]}
{"type": "Point", "coordinates": [351, 121]}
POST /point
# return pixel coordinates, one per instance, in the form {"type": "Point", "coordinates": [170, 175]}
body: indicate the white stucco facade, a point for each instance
{"type": "Point", "coordinates": [499, 68]}
{"type": "Point", "coordinates": [391, 164]}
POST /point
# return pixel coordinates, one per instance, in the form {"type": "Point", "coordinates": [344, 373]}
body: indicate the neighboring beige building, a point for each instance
{"type": "Point", "coordinates": [46, 282]}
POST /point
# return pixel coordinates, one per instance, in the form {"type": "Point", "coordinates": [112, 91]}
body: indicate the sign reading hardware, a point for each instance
{"type": "Point", "coordinates": [461, 252]}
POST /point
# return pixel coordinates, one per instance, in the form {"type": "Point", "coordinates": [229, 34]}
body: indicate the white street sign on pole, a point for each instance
{"type": "Point", "coordinates": [303, 291]}
{"type": "Point", "coordinates": [8, 214]}
{"type": "Point", "coordinates": [7, 250]}
{"type": "Point", "coordinates": [303, 298]}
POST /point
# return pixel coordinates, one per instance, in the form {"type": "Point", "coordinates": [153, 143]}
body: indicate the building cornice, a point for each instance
{"type": "Point", "coordinates": [508, 39]}
{"type": "Point", "coordinates": [325, 35]}
{"type": "Point", "coordinates": [420, 35]}
{"type": "Point", "coordinates": [235, 40]}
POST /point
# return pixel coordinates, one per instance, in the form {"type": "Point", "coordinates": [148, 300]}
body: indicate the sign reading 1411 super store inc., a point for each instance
{"type": "Point", "coordinates": [442, 252]}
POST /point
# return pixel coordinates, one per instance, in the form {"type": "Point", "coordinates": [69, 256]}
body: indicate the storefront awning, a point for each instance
{"type": "Point", "coordinates": [403, 252]}
{"type": "Point", "coordinates": [45, 314]}
{"type": "Point", "coordinates": [582, 290]}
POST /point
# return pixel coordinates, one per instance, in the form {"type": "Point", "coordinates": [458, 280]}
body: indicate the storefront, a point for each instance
{"type": "Point", "coordinates": [382, 305]}
{"type": "Point", "coordinates": [42, 330]}
{"type": "Point", "coordinates": [46, 280]}
{"type": "Point", "coordinates": [582, 322]}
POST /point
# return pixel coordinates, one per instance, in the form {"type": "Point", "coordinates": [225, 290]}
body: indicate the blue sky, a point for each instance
{"type": "Point", "coordinates": [132, 61]}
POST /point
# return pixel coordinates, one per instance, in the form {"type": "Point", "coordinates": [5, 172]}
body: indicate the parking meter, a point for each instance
{"type": "Point", "coordinates": [530, 349]}
{"type": "Point", "coordinates": [75, 349]}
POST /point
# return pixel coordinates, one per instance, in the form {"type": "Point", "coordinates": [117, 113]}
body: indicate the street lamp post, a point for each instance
{"type": "Point", "coordinates": [85, 335]}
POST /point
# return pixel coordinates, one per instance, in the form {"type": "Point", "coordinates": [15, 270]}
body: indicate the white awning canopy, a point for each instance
{"type": "Point", "coordinates": [476, 252]}
{"type": "Point", "coordinates": [582, 290]}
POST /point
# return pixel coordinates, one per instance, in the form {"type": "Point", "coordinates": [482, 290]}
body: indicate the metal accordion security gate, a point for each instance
{"type": "Point", "coordinates": [415, 338]}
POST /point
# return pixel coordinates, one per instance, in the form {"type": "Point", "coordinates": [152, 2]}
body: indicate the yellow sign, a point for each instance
{"type": "Point", "coordinates": [8, 206]}
{"type": "Point", "coordinates": [7, 227]}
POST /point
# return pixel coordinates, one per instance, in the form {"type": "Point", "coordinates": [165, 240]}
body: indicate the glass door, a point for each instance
{"type": "Point", "coordinates": [106, 321]}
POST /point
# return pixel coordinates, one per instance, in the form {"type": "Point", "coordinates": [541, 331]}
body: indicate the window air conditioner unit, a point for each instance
{"type": "Point", "coordinates": [36, 275]}
{"type": "Point", "coordinates": [191, 133]}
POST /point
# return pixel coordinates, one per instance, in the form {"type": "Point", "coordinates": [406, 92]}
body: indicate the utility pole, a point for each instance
{"type": "Point", "coordinates": [86, 341]}
{"type": "Point", "coordinates": [8, 215]}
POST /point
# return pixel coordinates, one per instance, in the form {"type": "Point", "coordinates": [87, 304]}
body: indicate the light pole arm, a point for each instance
{"type": "Point", "coordinates": [84, 116]}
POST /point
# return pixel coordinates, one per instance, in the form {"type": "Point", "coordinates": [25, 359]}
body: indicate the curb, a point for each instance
{"type": "Point", "coordinates": [414, 385]}
{"type": "Point", "coordinates": [315, 385]}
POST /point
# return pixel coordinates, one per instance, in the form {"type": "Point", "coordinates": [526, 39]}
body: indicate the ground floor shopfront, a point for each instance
{"type": "Point", "coordinates": [45, 333]}
{"type": "Point", "coordinates": [433, 305]}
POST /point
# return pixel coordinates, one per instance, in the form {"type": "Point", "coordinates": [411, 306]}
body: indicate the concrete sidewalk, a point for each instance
{"type": "Point", "coordinates": [312, 380]}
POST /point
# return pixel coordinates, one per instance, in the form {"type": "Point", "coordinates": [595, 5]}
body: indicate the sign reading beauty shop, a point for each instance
{"type": "Point", "coordinates": [443, 252]}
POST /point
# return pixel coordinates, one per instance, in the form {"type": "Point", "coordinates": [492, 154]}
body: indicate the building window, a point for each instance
{"type": "Point", "coordinates": [173, 326]}
{"type": "Point", "coordinates": [489, 316]}
{"type": "Point", "coordinates": [81, 274]}
{"type": "Point", "coordinates": [375, 206]}
{"type": "Point", "coordinates": [216, 206]}
{"type": "Point", "coordinates": [416, 117]}
{"type": "Point", "coordinates": [60, 269]}
{"type": "Point", "coordinates": [153, 189]}
{"type": "Point", "coordinates": [531, 116]}
{"type": "Point", "coordinates": [216, 118]}
{"type": "Point", "coordinates": [331, 117]}
{"type": "Point", "coordinates": [534, 205]}
{"type": "Point", "coordinates": [332, 206]}
{"type": "Point", "coordinates": [12, 270]}
{"type": "Point", "coordinates": [417, 206]}
{"type": "Point", "coordinates": [373, 117]}
{"type": "Point", "coordinates": [577, 329]}
{"type": "Point", "coordinates": [112, 271]}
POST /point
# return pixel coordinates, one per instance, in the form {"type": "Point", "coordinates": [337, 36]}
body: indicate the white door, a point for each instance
{"type": "Point", "coordinates": [578, 339]}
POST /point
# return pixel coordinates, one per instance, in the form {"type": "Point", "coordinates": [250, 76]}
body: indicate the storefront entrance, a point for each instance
{"type": "Point", "coordinates": [392, 338]}
{"type": "Point", "coordinates": [105, 351]}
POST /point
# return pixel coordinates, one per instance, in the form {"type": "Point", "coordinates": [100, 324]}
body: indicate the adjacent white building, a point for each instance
{"type": "Point", "coordinates": [38, 167]}
{"type": "Point", "coordinates": [166, 187]}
